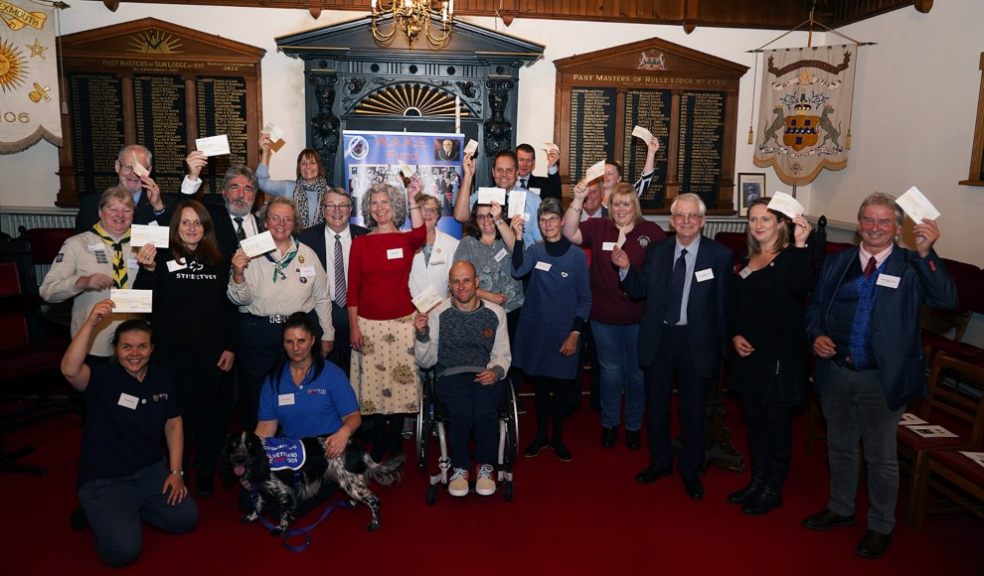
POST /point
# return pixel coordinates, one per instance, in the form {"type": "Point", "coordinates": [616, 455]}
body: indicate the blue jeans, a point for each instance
{"type": "Point", "coordinates": [855, 408]}
{"type": "Point", "coordinates": [618, 359]}
{"type": "Point", "coordinates": [115, 507]}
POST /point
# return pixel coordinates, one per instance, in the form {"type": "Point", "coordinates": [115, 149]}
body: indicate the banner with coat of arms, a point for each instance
{"type": "Point", "coordinates": [805, 113]}
{"type": "Point", "coordinates": [29, 101]}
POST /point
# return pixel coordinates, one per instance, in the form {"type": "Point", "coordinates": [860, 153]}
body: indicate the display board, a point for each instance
{"type": "Point", "coordinates": [686, 98]}
{"type": "Point", "coordinates": [161, 85]}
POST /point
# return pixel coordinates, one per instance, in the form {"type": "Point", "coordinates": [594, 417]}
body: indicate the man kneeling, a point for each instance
{"type": "Point", "coordinates": [466, 341]}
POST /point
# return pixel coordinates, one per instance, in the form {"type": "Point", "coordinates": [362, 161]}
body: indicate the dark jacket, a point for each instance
{"type": "Point", "coordinates": [895, 337]}
{"type": "Point", "coordinates": [707, 307]}
{"type": "Point", "coordinates": [315, 238]}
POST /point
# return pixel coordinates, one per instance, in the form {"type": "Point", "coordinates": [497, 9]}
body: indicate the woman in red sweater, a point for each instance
{"type": "Point", "coordinates": [381, 311]}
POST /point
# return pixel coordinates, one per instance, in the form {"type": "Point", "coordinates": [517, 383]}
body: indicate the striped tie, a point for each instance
{"type": "Point", "coordinates": [119, 264]}
{"type": "Point", "coordinates": [341, 292]}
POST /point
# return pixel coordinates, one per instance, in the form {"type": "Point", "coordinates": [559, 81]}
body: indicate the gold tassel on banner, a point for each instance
{"type": "Point", "coordinates": [751, 137]}
{"type": "Point", "coordinates": [847, 141]}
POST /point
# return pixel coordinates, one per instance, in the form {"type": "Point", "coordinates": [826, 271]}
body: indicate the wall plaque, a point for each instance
{"type": "Point", "coordinates": [161, 85]}
{"type": "Point", "coordinates": [687, 98]}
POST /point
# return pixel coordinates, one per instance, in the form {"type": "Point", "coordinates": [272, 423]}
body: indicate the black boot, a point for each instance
{"type": "Point", "coordinates": [771, 495]}
{"type": "Point", "coordinates": [751, 491]}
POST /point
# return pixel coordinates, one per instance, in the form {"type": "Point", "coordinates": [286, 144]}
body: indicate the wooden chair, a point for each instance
{"type": "Point", "coordinates": [957, 478]}
{"type": "Point", "coordinates": [955, 400]}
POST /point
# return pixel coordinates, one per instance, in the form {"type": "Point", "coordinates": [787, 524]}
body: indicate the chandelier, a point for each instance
{"type": "Point", "coordinates": [414, 18]}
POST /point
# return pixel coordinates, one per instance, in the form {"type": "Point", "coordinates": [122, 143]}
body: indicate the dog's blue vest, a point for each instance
{"type": "Point", "coordinates": [284, 453]}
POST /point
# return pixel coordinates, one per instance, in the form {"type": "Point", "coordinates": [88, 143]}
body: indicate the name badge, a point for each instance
{"type": "Point", "coordinates": [502, 254]}
{"type": "Point", "coordinates": [608, 246]}
{"type": "Point", "coordinates": [541, 265]}
{"type": "Point", "coordinates": [128, 401]}
{"type": "Point", "coordinates": [96, 248]}
{"type": "Point", "coordinates": [307, 271]}
{"type": "Point", "coordinates": [705, 274]}
{"type": "Point", "coordinates": [174, 265]}
{"type": "Point", "coordinates": [394, 253]}
{"type": "Point", "coordinates": [745, 272]}
{"type": "Point", "coordinates": [437, 258]}
{"type": "Point", "coordinates": [888, 281]}
{"type": "Point", "coordinates": [285, 399]}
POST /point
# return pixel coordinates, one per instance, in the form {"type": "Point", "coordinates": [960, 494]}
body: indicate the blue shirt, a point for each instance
{"type": "Point", "coordinates": [313, 408]}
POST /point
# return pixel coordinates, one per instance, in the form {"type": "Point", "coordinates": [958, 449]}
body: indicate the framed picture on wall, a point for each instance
{"type": "Point", "coordinates": [751, 187]}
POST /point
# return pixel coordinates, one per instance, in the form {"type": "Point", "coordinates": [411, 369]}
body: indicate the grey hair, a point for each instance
{"type": "Point", "coordinates": [121, 157]}
{"type": "Point", "coordinates": [882, 199]}
{"type": "Point", "coordinates": [236, 171]}
{"type": "Point", "coordinates": [549, 206]}
{"type": "Point", "coordinates": [398, 202]}
{"type": "Point", "coordinates": [702, 208]}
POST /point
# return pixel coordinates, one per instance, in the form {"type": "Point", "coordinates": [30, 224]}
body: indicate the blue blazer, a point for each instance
{"type": "Point", "coordinates": [707, 307]}
{"type": "Point", "coordinates": [895, 337]}
{"type": "Point", "coordinates": [315, 238]}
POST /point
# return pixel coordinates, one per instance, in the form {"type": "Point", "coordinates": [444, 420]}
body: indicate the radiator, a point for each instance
{"type": "Point", "coordinates": [12, 218]}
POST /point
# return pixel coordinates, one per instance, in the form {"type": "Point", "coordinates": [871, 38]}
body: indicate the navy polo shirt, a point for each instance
{"type": "Point", "coordinates": [123, 435]}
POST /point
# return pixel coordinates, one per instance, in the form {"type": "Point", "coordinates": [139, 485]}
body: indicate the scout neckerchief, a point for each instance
{"type": "Point", "coordinates": [119, 264]}
{"type": "Point", "coordinates": [278, 267]}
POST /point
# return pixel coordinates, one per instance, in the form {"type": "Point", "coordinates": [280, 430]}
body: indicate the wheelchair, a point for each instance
{"type": "Point", "coordinates": [431, 433]}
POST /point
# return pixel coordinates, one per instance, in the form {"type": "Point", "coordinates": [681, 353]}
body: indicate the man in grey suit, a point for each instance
{"type": "Point", "coordinates": [686, 283]}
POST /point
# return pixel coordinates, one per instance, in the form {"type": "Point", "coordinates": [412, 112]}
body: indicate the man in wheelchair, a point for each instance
{"type": "Point", "coordinates": [466, 341]}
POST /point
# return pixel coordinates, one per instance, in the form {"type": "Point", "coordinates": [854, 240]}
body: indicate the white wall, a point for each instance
{"type": "Point", "coordinates": [913, 118]}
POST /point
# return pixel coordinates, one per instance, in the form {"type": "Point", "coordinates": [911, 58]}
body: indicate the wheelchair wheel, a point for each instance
{"type": "Point", "coordinates": [511, 451]}
{"type": "Point", "coordinates": [423, 422]}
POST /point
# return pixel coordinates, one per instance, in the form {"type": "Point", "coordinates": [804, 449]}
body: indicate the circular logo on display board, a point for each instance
{"type": "Point", "coordinates": [358, 148]}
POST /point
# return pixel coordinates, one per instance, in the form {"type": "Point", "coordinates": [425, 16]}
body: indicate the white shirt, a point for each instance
{"type": "Point", "coordinates": [249, 224]}
{"type": "Point", "coordinates": [345, 237]}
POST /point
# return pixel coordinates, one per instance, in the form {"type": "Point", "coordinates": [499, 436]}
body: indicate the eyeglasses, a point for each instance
{"type": "Point", "coordinates": [336, 206]}
{"type": "Point", "coordinates": [128, 169]}
{"type": "Point", "coordinates": [689, 216]}
{"type": "Point", "coordinates": [428, 210]}
{"type": "Point", "coordinates": [281, 219]}
{"type": "Point", "coordinates": [551, 218]}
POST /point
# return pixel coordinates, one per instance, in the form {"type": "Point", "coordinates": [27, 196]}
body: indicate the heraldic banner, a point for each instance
{"type": "Point", "coordinates": [805, 114]}
{"type": "Point", "coordinates": [29, 102]}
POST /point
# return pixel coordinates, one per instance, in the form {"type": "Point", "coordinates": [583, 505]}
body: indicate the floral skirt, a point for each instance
{"type": "Point", "coordinates": [384, 375]}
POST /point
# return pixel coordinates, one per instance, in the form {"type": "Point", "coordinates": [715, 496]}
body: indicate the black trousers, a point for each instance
{"type": "Point", "coordinates": [673, 357]}
{"type": "Point", "coordinates": [770, 439]}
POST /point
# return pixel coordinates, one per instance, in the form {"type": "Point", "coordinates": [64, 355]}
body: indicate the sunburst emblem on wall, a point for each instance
{"type": "Point", "coordinates": [13, 68]}
{"type": "Point", "coordinates": [155, 42]}
{"type": "Point", "coordinates": [408, 100]}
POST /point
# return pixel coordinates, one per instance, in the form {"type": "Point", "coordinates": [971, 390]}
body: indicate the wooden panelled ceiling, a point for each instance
{"type": "Point", "coordinates": [775, 14]}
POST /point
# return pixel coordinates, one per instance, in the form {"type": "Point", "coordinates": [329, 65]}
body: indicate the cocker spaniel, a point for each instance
{"type": "Point", "coordinates": [245, 459]}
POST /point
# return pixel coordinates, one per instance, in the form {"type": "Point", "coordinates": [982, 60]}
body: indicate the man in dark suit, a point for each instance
{"type": "Point", "coordinates": [149, 206]}
{"type": "Point", "coordinates": [332, 241]}
{"type": "Point", "coordinates": [549, 187]}
{"type": "Point", "coordinates": [686, 283]}
{"type": "Point", "coordinates": [233, 219]}
{"type": "Point", "coordinates": [863, 322]}
{"type": "Point", "coordinates": [448, 151]}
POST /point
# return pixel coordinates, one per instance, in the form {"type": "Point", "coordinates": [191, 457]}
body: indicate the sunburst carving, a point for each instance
{"type": "Point", "coordinates": [155, 42]}
{"type": "Point", "coordinates": [408, 100]}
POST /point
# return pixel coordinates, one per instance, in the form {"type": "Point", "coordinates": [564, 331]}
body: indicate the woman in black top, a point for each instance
{"type": "Point", "coordinates": [768, 373]}
{"type": "Point", "coordinates": [195, 327]}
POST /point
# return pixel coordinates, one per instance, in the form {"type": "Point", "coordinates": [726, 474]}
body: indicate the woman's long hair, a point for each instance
{"type": "Point", "coordinates": [207, 251]}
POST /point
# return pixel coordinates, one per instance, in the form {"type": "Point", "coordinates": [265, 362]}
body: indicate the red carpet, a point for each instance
{"type": "Point", "coordinates": [587, 516]}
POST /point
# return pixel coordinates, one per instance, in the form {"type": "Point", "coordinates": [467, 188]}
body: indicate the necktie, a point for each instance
{"type": "Point", "coordinates": [870, 268]}
{"type": "Point", "coordinates": [119, 265]}
{"type": "Point", "coordinates": [341, 292]}
{"type": "Point", "coordinates": [522, 183]}
{"type": "Point", "coordinates": [677, 280]}
{"type": "Point", "coordinates": [240, 232]}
